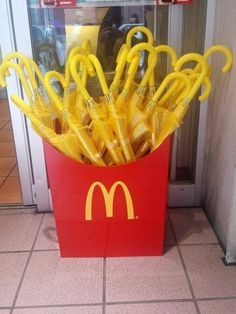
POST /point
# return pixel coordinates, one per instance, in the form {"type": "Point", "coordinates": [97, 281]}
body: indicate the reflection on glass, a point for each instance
{"type": "Point", "coordinates": [56, 30]}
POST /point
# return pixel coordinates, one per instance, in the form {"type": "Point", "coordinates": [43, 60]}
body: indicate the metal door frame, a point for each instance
{"type": "Point", "coordinates": [15, 36]}
{"type": "Point", "coordinates": [189, 194]}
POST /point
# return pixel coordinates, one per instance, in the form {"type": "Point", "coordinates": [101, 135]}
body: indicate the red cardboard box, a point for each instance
{"type": "Point", "coordinates": [109, 211]}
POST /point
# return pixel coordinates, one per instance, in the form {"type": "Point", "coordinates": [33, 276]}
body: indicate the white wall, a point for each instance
{"type": "Point", "coordinates": [220, 159]}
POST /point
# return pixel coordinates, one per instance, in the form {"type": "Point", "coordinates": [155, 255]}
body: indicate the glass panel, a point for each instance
{"type": "Point", "coordinates": [56, 30]}
{"type": "Point", "coordinates": [193, 41]}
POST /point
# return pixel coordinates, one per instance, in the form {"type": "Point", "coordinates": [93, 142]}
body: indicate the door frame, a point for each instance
{"type": "Point", "coordinates": [15, 36]}
{"type": "Point", "coordinates": [190, 194]}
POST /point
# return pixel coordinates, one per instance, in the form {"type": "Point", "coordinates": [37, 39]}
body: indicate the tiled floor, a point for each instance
{"type": "Point", "coordinates": [10, 192]}
{"type": "Point", "coordinates": [189, 278]}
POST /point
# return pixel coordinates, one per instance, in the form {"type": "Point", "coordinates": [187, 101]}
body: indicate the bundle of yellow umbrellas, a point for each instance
{"type": "Point", "coordinates": [130, 118]}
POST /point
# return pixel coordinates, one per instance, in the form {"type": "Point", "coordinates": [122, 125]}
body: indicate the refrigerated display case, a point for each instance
{"type": "Point", "coordinates": [48, 32]}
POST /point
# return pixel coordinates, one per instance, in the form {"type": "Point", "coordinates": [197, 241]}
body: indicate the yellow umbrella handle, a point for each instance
{"type": "Point", "coordinates": [168, 79]}
{"type": "Point", "coordinates": [73, 52]}
{"type": "Point", "coordinates": [37, 70]}
{"type": "Point", "coordinates": [132, 70]}
{"type": "Point", "coordinates": [226, 51]}
{"type": "Point", "coordinates": [139, 29]}
{"type": "Point", "coordinates": [121, 62]}
{"type": "Point", "coordinates": [170, 51]}
{"type": "Point", "coordinates": [4, 68]}
{"type": "Point", "coordinates": [204, 68]}
{"type": "Point", "coordinates": [73, 68]}
{"type": "Point", "coordinates": [101, 76]}
{"type": "Point", "coordinates": [26, 62]}
{"type": "Point", "coordinates": [50, 90]}
{"type": "Point", "coordinates": [151, 64]}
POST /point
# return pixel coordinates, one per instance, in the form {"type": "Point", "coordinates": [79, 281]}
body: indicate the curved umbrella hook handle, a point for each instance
{"type": "Point", "coordinates": [50, 90]}
{"type": "Point", "coordinates": [73, 69]}
{"type": "Point", "coordinates": [167, 80]}
{"type": "Point", "coordinates": [204, 68]}
{"type": "Point", "coordinates": [139, 29]}
{"type": "Point", "coordinates": [26, 63]}
{"type": "Point", "coordinates": [151, 64]}
{"type": "Point", "coordinates": [4, 69]}
{"type": "Point", "coordinates": [73, 52]}
{"type": "Point", "coordinates": [100, 73]}
{"type": "Point", "coordinates": [226, 51]}
{"type": "Point", "coordinates": [170, 51]}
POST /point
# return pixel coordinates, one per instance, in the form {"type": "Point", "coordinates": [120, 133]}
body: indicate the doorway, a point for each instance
{"type": "Point", "coordinates": [10, 190]}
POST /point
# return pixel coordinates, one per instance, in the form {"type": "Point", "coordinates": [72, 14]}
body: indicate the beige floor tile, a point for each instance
{"type": "Point", "coordinates": [51, 280]}
{"type": "Point", "coordinates": [47, 238]}
{"type": "Point", "coordinates": [4, 311]}
{"type": "Point", "coordinates": [61, 310]}
{"type": "Point", "coordinates": [218, 307]}
{"type": "Point", "coordinates": [1, 180]}
{"type": "Point", "coordinates": [10, 191]}
{"type": "Point", "coordinates": [6, 136]}
{"type": "Point", "coordinates": [18, 231]}
{"type": "Point", "coordinates": [157, 308]}
{"type": "Point", "coordinates": [6, 165]}
{"type": "Point", "coordinates": [11, 269]}
{"type": "Point", "coordinates": [3, 123]}
{"type": "Point", "coordinates": [191, 226]}
{"type": "Point", "coordinates": [15, 172]}
{"type": "Point", "coordinates": [208, 275]}
{"type": "Point", "coordinates": [4, 115]}
{"type": "Point", "coordinates": [169, 237]}
{"type": "Point", "coordinates": [12, 211]}
{"type": "Point", "coordinates": [8, 126]}
{"type": "Point", "coordinates": [146, 278]}
{"type": "Point", "coordinates": [7, 150]}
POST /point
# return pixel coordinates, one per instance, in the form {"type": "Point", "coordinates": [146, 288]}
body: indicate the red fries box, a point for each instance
{"type": "Point", "coordinates": [109, 211]}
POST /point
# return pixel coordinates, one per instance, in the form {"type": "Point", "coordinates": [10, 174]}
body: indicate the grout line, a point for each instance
{"type": "Point", "coordinates": [26, 266]}
{"type": "Point", "coordinates": [56, 305]}
{"type": "Point", "coordinates": [104, 287]}
{"type": "Point", "coordinates": [28, 251]}
{"type": "Point", "coordinates": [185, 270]}
{"type": "Point", "coordinates": [8, 176]}
{"type": "Point", "coordinates": [193, 244]}
{"type": "Point", "coordinates": [216, 298]}
{"type": "Point", "coordinates": [4, 124]}
{"type": "Point", "coordinates": [151, 301]}
{"type": "Point", "coordinates": [15, 252]}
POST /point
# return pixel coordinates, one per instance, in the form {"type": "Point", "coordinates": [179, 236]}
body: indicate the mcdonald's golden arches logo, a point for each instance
{"type": "Point", "coordinates": [109, 199]}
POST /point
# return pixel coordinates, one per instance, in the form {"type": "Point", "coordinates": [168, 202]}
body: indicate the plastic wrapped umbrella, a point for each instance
{"type": "Point", "coordinates": [36, 100]}
{"type": "Point", "coordinates": [122, 57]}
{"type": "Point", "coordinates": [98, 113]}
{"type": "Point", "coordinates": [138, 127]}
{"type": "Point", "coordinates": [86, 145]}
{"type": "Point", "coordinates": [67, 144]}
{"type": "Point", "coordinates": [173, 120]}
{"type": "Point", "coordinates": [118, 116]}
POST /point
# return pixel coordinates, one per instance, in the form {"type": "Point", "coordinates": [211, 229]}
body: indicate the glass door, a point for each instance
{"type": "Point", "coordinates": [187, 158]}
{"type": "Point", "coordinates": [50, 32]}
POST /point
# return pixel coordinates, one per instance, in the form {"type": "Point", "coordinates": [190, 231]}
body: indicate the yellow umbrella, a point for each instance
{"type": "Point", "coordinates": [139, 130]}
{"type": "Point", "coordinates": [37, 101]}
{"type": "Point", "coordinates": [160, 49]}
{"type": "Point", "coordinates": [173, 120]}
{"type": "Point", "coordinates": [67, 144]}
{"type": "Point", "coordinates": [97, 111]}
{"type": "Point", "coordinates": [118, 114]}
{"type": "Point", "coordinates": [86, 145]}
